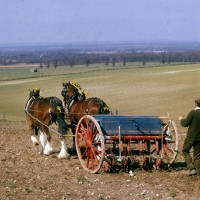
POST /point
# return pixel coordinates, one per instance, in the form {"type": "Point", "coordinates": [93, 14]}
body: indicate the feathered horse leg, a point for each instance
{"type": "Point", "coordinates": [43, 141]}
{"type": "Point", "coordinates": [62, 129]}
{"type": "Point", "coordinates": [48, 148]}
{"type": "Point", "coordinates": [33, 137]}
{"type": "Point", "coordinates": [63, 152]}
{"type": "Point", "coordinates": [34, 140]}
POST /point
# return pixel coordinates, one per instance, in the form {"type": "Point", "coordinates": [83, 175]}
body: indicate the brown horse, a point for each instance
{"type": "Point", "coordinates": [40, 114]}
{"type": "Point", "coordinates": [77, 105]}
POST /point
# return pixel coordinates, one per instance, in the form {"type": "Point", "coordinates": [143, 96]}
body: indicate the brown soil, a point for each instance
{"type": "Point", "coordinates": [27, 175]}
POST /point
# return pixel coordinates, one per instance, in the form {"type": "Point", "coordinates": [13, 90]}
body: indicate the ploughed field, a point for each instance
{"type": "Point", "coordinates": [151, 91]}
{"type": "Point", "coordinates": [27, 175]}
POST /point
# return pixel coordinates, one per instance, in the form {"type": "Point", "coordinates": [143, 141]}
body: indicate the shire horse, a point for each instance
{"type": "Point", "coordinates": [77, 105]}
{"type": "Point", "coordinates": [40, 114]}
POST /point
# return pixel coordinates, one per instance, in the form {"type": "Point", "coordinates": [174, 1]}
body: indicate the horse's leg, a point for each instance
{"type": "Point", "coordinates": [48, 148]}
{"type": "Point", "coordinates": [72, 150]}
{"type": "Point", "coordinates": [62, 129]}
{"type": "Point", "coordinates": [34, 140]}
{"type": "Point", "coordinates": [43, 141]}
{"type": "Point", "coordinates": [63, 152]}
{"type": "Point", "coordinates": [33, 137]}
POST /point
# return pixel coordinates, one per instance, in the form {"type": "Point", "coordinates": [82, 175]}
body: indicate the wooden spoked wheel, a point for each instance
{"type": "Point", "coordinates": [169, 150]}
{"type": "Point", "coordinates": [90, 144]}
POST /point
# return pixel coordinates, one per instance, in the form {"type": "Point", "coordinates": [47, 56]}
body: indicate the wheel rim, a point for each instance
{"type": "Point", "coordinates": [169, 150]}
{"type": "Point", "coordinates": [90, 144]}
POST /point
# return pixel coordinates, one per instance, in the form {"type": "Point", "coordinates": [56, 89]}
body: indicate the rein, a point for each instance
{"type": "Point", "coordinates": [41, 111]}
{"type": "Point", "coordinates": [59, 135]}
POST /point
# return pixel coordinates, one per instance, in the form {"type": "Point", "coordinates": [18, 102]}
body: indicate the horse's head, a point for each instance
{"type": "Point", "coordinates": [72, 91]}
{"type": "Point", "coordinates": [35, 93]}
{"type": "Point", "coordinates": [67, 92]}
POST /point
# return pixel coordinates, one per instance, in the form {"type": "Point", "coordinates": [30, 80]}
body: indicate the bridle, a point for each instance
{"type": "Point", "coordinates": [71, 99]}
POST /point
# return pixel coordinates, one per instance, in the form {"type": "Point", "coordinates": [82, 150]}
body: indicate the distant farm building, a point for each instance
{"type": "Point", "coordinates": [34, 70]}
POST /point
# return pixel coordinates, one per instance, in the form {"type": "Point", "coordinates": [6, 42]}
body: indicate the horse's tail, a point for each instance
{"type": "Point", "coordinates": [104, 109]}
{"type": "Point", "coordinates": [60, 116]}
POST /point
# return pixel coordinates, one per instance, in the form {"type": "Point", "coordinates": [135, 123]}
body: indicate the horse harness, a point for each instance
{"type": "Point", "coordinates": [34, 99]}
{"type": "Point", "coordinates": [29, 103]}
{"type": "Point", "coordinates": [71, 105]}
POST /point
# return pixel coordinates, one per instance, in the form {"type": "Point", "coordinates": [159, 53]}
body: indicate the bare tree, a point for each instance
{"type": "Point", "coordinates": [71, 62]}
{"type": "Point", "coordinates": [47, 63]}
{"type": "Point", "coordinates": [55, 63]}
{"type": "Point", "coordinates": [113, 61]}
{"type": "Point", "coordinates": [107, 61]}
{"type": "Point", "coordinates": [144, 60]}
{"type": "Point", "coordinates": [163, 58]}
{"type": "Point", "coordinates": [169, 59]}
{"type": "Point", "coordinates": [124, 61]}
{"type": "Point", "coordinates": [40, 66]}
{"type": "Point", "coordinates": [87, 62]}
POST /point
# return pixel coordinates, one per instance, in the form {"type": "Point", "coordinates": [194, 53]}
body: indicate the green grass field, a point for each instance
{"type": "Point", "coordinates": [13, 72]}
{"type": "Point", "coordinates": [168, 90]}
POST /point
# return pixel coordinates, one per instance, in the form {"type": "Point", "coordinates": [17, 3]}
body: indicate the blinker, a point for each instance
{"type": "Point", "coordinates": [63, 92]}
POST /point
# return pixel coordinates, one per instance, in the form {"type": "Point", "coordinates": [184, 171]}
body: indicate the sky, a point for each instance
{"type": "Point", "coordinates": [74, 21]}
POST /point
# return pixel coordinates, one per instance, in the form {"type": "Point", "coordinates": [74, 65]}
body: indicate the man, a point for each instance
{"type": "Point", "coordinates": [192, 139]}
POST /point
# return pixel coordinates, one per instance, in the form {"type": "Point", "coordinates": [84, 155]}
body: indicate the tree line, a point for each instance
{"type": "Point", "coordinates": [71, 57]}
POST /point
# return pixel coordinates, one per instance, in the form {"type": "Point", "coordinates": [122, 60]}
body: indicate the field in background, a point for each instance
{"type": "Point", "coordinates": [23, 71]}
{"type": "Point", "coordinates": [159, 91]}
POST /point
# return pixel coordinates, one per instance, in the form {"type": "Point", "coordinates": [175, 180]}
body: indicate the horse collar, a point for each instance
{"type": "Point", "coordinates": [71, 101]}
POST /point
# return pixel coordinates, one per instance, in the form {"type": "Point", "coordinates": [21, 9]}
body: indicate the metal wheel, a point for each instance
{"type": "Point", "coordinates": [90, 144]}
{"type": "Point", "coordinates": [169, 150]}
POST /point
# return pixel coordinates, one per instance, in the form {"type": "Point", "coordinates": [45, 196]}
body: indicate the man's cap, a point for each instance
{"type": "Point", "coordinates": [197, 100]}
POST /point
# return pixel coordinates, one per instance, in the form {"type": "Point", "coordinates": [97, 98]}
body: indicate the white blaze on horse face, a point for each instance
{"type": "Point", "coordinates": [48, 148]}
{"type": "Point", "coordinates": [63, 152]}
{"type": "Point", "coordinates": [34, 140]}
{"type": "Point", "coordinates": [43, 139]}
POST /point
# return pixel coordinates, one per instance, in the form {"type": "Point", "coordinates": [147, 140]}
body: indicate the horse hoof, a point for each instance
{"type": "Point", "coordinates": [72, 151]}
{"type": "Point", "coordinates": [68, 157]}
{"type": "Point", "coordinates": [63, 156]}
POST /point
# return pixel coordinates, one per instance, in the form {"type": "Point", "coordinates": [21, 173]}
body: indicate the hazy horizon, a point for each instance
{"type": "Point", "coordinates": [67, 21]}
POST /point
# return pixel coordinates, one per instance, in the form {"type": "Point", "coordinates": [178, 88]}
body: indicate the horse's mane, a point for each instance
{"type": "Point", "coordinates": [76, 85]}
{"type": "Point", "coordinates": [81, 93]}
